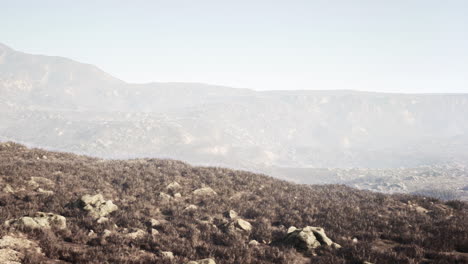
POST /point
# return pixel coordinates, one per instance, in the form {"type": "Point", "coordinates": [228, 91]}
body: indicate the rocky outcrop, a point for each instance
{"type": "Point", "coordinates": [308, 238]}
{"type": "Point", "coordinates": [97, 207]}
{"type": "Point", "coordinates": [202, 261]}
{"type": "Point", "coordinates": [40, 220]}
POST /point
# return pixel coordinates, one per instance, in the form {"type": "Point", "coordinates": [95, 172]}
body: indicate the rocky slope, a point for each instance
{"type": "Point", "coordinates": [63, 208]}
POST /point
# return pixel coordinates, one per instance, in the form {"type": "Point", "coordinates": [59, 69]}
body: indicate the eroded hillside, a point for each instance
{"type": "Point", "coordinates": [64, 208]}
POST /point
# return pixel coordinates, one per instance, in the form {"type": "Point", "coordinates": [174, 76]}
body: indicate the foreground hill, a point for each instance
{"type": "Point", "coordinates": [64, 208]}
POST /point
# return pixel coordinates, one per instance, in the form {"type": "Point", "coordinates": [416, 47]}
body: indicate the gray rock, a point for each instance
{"type": "Point", "coordinates": [97, 207]}
{"type": "Point", "coordinates": [243, 225]}
{"type": "Point", "coordinates": [308, 238]}
{"type": "Point", "coordinates": [39, 221]}
{"type": "Point", "coordinates": [291, 229]}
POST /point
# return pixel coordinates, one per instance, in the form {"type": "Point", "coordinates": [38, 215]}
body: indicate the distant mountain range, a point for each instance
{"type": "Point", "coordinates": [59, 104]}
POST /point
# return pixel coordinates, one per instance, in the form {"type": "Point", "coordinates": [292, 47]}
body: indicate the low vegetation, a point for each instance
{"type": "Point", "coordinates": [165, 211]}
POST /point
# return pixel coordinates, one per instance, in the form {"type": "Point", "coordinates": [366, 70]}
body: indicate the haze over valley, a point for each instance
{"type": "Point", "coordinates": [60, 104]}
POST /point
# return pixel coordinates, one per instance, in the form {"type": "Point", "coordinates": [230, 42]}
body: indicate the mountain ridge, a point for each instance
{"type": "Point", "coordinates": [223, 86]}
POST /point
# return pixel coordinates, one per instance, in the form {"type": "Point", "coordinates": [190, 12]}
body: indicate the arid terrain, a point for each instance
{"type": "Point", "coordinates": [64, 208]}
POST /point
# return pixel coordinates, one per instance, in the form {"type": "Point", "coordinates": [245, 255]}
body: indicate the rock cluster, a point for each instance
{"type": "Point", "coordinates": [40, 220]}
{"type": "Point", "coordinates": [97, 207]}
{"type": "Point", "coordinates": [308, 238]}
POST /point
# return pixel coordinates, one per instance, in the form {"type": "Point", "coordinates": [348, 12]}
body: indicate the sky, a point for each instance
{"type": "Point", "coordinates": [408, 46]}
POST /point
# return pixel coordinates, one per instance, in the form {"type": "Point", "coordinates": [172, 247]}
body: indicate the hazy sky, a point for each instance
{"type": "Point", "coordinates": [377, 45]}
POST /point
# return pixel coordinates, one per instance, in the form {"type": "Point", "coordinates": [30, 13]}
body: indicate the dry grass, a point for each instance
{"type": "Point", "coordinates": [269, 204]}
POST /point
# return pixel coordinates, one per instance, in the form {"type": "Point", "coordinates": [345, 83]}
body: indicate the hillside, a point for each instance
{"type": "Point", "coordinates": [165, 211]}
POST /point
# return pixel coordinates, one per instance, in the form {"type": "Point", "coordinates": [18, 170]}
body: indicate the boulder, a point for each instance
{"type": "Point", "coordinates": [243, 225]}
{"type": "Point", "coordinates": [205, 191]}
{"type": "Point", "coordinates": [97, 207]}
{"type": "Point", "coordinates": [40, 220]}
{"type": "Point", "coordinates": [202, 261]}
{"type": "Point", "coordinates": [308, 238]}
